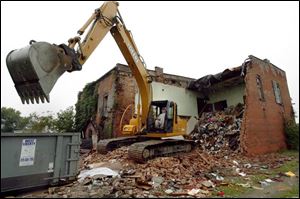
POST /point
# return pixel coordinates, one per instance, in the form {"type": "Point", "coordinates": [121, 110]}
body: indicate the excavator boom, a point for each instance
{"type": "Point", "coordinates": [36, 68]}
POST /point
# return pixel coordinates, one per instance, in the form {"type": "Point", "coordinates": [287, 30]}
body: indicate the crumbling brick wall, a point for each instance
{"type": "Point", "coordinates": [262, 129]}
{"type": "Point", "coordinates": [125, 91]}
{"type": "Point", "coordinates": [104, 117]}
{"type": "Point", "coordinates": [120, 88]}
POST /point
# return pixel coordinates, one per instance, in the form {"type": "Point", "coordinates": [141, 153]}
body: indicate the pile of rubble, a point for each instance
{"type": "Point", "coordinates": [216, 131]}
{"type": "Point", "coordinates": [189, 175]}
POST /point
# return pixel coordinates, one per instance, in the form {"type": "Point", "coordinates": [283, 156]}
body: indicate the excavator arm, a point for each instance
{"type": "Point", "coordinates": [36, 68]}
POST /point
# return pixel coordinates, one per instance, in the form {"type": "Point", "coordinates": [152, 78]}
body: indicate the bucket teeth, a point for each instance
{"type": "Point", "coordinates": [47, 98]}
{"type": "Point", "coordinates": [37, 99]}
{"type": "Point", "coordinates": [42, 99]}
{"type": "Point", "coordinates": [35, 69]}
{"type": "Point", "coordinates": [32, 92]}
{"type": "Point", "coordinates": [27, 100]}
{"type": "Point", "coordinates": [31, 99]}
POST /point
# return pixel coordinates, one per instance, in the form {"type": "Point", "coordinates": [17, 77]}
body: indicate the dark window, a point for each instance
{"type": "Point", "coordinates": [260, 88]}
{"type": "Point", "coordinates": [201, 104]}
{"type": "Point", "coordinates": [105, 111]}
{"type": "Point", "coordinates": [277, 92]}
{"type": "Point", "coordinates": [208, 108]}
{"type": "Point", "coordinates": [220, 106]}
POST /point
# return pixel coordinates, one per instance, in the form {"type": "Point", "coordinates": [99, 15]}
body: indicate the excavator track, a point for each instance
{"type": "Point", "coordinates": [143, 151]}
{"type": "Point", "coordinates": [106, 145]}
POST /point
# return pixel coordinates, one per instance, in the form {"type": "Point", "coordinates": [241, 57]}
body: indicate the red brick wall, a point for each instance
{"type": "Point", "coordinates": [125, 92]}
{"type": "Point", "coordinates": [263, 123]}
{"type": "Point", "coordinates": [120, 84]}
{"type": "Point", "coordinates": [106, 87]}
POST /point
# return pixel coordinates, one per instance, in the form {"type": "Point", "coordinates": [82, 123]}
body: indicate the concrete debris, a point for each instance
{"type": "Point", "coordinates": [217, 131]}
{"type": "Point", "coordinates": [169, 191]}
{"type": "Point", "coordinates": [157, 181]}
{"type": "Point", "coordinates": [208, 183]}
{"type": "Point", "coordinates": [193, 192]}
{"type": "Point", "coordinates": [194, 174]}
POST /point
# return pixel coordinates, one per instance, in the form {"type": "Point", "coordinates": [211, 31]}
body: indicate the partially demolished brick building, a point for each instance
{"type": "Point", "coordinates": [262, 88]}
{"type": "Point", "coordinates": [257, 84]}
{"type": "Point", "coordinates": [116, 91]}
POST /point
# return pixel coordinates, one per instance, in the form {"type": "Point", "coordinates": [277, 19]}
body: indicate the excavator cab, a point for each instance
{"type": "Point", "coordinates": [160, 117]}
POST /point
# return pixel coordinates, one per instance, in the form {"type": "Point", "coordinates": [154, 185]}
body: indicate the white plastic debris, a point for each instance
{"type": "Point", "coordinates": [96, 171]}
{"type": "Point", "coordinates": [264, 184]}
{"type": "Point", "coordinates": [219, 178]}
{"type": "Point", "coordinates": [269, 180]}
{"type": "Point", "coordinates": [235, 162]}
{"type": "Point", "coordinates": [242, 174]}
{"type": "Point", "coordinates": [247, 165]}
{"type": "Point", "coordinates": [247, 185]}
{"type": "Point", "coordinates": [258, 188]}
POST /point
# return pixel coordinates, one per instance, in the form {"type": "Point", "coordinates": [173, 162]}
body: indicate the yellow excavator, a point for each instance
{"type": "Point", "coordinates": [36, 68]}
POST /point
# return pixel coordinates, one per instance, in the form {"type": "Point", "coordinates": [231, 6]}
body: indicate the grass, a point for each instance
{"type": "Point", "coordinates": [258, 177]}
{"type": "Point", "coordinates": [231, 190]}
{"type": "Point", "coordinates": [292, 153]}
{"type": "Point", "coordinates": [294, 192]}
{"type": "Point", "coordinates": [234, 190]}
{"type": "Point", "coordinates": [288, 166]}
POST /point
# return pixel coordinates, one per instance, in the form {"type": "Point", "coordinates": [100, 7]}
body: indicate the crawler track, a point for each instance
{"type": "Point", "coordinates": [107, 145]}
{"type": "Point", "coordinates": [143, 151]}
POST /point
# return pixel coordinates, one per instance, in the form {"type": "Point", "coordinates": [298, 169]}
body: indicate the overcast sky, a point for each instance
{"type": "Point", "coordinates": [191, 39]}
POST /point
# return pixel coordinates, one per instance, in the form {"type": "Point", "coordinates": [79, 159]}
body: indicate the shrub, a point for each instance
{"type": "Point", "coordinates": [292, 135]}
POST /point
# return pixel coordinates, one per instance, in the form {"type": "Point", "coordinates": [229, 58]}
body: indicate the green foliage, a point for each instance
{"type": "Point", "coordinates": [293, 192]}
{"type": "Point", "coordinates": [292, 135]}
{"type": "Point", "coordinates": [11, 119]}
{"type": "Point", "coordinates": [65, 121]}
{"type": "Point", "coordinates": [39, 123]}
{"type": "Point", "coordinates": [86, 106]}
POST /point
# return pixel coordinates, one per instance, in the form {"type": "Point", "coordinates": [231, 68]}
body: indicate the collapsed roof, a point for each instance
{"type": "Point", "coordinates": [206, 82]}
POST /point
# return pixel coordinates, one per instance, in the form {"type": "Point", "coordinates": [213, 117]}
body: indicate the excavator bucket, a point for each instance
{"type": "Point", "coordinates": [35, 69]}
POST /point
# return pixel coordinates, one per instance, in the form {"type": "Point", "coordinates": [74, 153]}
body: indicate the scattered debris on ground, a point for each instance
{"type": "Point", "coordinates": [188, 175]}
{"type": "Point", "coordinates": [200, 173]}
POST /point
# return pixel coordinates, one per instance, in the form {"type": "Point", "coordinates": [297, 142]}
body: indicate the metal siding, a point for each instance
{"type": "Point", "coordinates": [61, 149]}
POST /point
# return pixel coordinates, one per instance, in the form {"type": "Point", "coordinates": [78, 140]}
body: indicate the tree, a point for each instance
{"type": "Point", "coordinates": [39, 123]}
{"type": "Point", "coordinates": [65, 121]}
{"type": "Point", "coordinates": [86, 105]}
{"type": "Point", "coordinates": [11, 119]}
